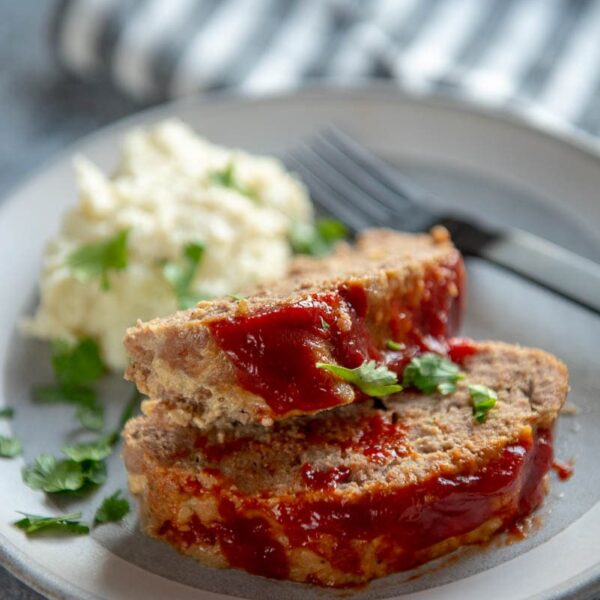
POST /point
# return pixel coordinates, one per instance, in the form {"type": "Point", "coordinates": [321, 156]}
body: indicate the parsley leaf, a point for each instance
{"type": "Point", "coordinates": [7, 412]}
{"type": "Point", "coordinates": [98, 259]}
{"type": "Point", "coordinates": [180, 276]}
{"type": "Point", "coordinates": [432, 373]}
{"type": "Point", "coordinates": [369, 378]}
{"type": "Point", "coordinates": [64, 523]}
{"type": "Point", "coordinates": [64, 394]}
{"type": "Point", "coordinates": [49, 475]}
{"type": "Point", "coordinates": [112, 509]}
{"type": "Point", "coordinates": [484, 399]}
{"type": "Point", "coordinates": [9, 447]}
{"type": "Point", "coordinates": [91, 416]}
{"type": "Point", "coordinates": [324, 324]}
{"type": "Point", "coordinates": [392, 345]}
{"type": "Point", "coordinates": [94, 471]}
{"type": "Point", "coordinates": [77, 364]}
{"type": "Point", "coordinates": [94, 451]}
{"type": "Point", "coordinates": [317, 239]}
{"type": "Point", "coordinates": [223, 177]}
{"type": "Point", "coordinates": [226, 178]}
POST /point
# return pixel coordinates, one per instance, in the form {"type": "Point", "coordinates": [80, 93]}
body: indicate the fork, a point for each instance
{"type": "Point", "coordinates": [350, 183]}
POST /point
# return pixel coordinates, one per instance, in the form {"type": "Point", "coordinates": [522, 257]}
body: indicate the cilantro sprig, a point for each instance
{"type": "Point", "coordinates": [317, 239]}
{"type": "Point", "coordinates": [112, 509]}
{"type": "Point", "coordinates": [225, 177]}
{"type": "Point", "coordinates": [51, 475]}
{"type": "Point", "coordinates": [85, 466]}
{"type": "Point", "coordinates": [180, 275]}
{"type": "Point", "coordinates": [94, 451]}
{"type": "Point", "coordinates": [75, 368]}
{"type": "Point", "coordinates": [10, 446]}
{"type": "Point", "coordinates": [77, 364]}
{"type": "Point", "coordinates": [99, 259]}
{"type": "Point", "coordinates": [484, 399]}
{"type": "Point", "coordinates": [392, 345]}
{"type": "Point", "coordinates": [431, 373]}
{"type": "Point", "coordinates": [368, 378]}
{"type": "Point", "coordinates": [69, 523]}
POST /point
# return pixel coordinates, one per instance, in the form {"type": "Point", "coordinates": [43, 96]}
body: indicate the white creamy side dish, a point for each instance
{"type": "Point", "coordinates": [190, 219]}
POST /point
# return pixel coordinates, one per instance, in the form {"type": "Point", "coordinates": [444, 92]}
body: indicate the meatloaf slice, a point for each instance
{"type": "Point", "coordinates": [253, 360]}
{"type": "Point", "coordinates": [360, 491]}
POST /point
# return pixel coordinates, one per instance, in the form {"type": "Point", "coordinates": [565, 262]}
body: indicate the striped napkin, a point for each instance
{"type": "Point", "coordinates": [541, 57]}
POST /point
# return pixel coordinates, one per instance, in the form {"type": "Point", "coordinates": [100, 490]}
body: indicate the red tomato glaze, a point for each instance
{"type": "Point", "coordinates": [405, 520]}
{"type": "Point", "coordinates": [563, 470]}
{"type": "Point", "coordinates": [276, 350]}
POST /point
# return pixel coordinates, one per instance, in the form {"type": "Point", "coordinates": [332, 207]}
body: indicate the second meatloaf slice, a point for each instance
{"type": "Point", "coordinates": [254, 359]}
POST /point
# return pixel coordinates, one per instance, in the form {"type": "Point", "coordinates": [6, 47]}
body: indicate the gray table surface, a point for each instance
{"type": "Point", "coordinates": [41, 113]}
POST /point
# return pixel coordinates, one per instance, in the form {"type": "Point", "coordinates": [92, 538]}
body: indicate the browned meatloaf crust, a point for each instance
{"type": "Point", "coordinates": [253, 360]}
{"type": "Point", "coordinates": [358, 492]}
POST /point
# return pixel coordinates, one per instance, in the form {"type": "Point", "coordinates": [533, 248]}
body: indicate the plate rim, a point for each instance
{"type": "Point", "coordinates": [532, 118]}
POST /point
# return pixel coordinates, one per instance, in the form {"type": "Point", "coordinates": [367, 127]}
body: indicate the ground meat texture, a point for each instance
{"type": "Point", "coordinates": [254, 360]}
{"type": "Point", "coordinates": [362, 490]}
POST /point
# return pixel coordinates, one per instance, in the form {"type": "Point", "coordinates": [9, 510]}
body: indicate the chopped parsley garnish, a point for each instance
{"type": "Point", "coordinates": [91, 416]}
{"type": "Point", "coordinates": [324, 324]}
{"type": "Point", "coordinates": [484, 399]}
{"type": "Point", "coordinates": [62, 524]}
{"type": "Point", "coordinates": [75, 367]}
{"type": "Point", "coordinates": [77, 364]}
{"type": "Point", "coordinates": [97, 450]}
{"type": "Point", "coordinates": [7, 412]}
{"type": "Point", "coordinates": [368, 378]}
{"type": "Point", "coordinates": [10, 446]}
{"type": "Point", "coordinates": [431, 373]}
{"type": "Point", "coordinates": [66, 394]}
{"type": "Point", "coordinates": [181, 276]}
{"type": "Point", "coordinates": [94, 472]}
{"type": "Point", "coordinates": [226, 178]}
{"type": "Point", "coordinates": [392, 345]}
{"type": "Point", "coordinates": [317, 239]}
{"type": "Point", "coordinates": [112, 509]}
{"type": "Point", "coordinates": [100, 258]}
{"type": "Point", "coordinates": [51, 475]}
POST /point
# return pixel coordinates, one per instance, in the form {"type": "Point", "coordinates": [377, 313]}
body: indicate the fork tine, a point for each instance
{"type": "Point", "coordinates": [388, 186]}
{"type": "Point", "coordinates": [327, 200]}
{"type": "Point", "coordinates": [345, 189]}
{"type": "Point", "coordinates": [365, 180]}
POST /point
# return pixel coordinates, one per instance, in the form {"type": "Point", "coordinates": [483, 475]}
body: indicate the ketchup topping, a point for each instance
{"type": "Point", "coordinates": [276, 350]}
{"type": "Point", "coordinates": [563, 470]}
{"type": "Point", "coordinates": [405, 520]}
{"type": "Point", "coordinates": [248, 544]}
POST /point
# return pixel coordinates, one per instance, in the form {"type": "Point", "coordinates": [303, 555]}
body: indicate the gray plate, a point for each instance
{"type": "Point", "coordinates": [476, 161]}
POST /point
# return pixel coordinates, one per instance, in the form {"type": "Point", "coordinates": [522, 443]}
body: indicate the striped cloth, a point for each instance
{"type": "Point", "coordinates": [541, 57]}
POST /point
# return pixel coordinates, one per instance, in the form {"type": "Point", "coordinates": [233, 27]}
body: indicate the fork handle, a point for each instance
{"type": "Point", "coordinates": [541, 261]}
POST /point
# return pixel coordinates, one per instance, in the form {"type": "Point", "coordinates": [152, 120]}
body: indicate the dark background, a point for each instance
{"type": "Point", "coordinates": [42, 110]}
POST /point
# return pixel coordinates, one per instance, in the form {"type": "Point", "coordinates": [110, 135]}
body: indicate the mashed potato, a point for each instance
{"type": "Point", "coordinates": [165, 193]}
